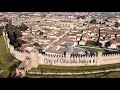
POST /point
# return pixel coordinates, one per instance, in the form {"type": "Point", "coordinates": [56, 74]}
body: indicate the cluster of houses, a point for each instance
{"type": "Point", "coordinates": [59, 35]}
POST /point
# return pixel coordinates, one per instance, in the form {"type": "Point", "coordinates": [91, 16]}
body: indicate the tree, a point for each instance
{"type": "Point", "coordinates": [15, 44]}
{"type": "Point", "coordinates": [118, 46]}
{"type": "Point", "coordinates": [38, 21]}
{"type": "Point", "coordinates": [23, 27]}
{"type": "Point", "coordinates": [36, 44]}
{"type": "Point", "coordinates": [99, 44]}
{"type": "Point", "coordinates": [10, 27]}
{"type": "Point", "coordinates": [19, 42]}
{"type": "Point", "coordinates": [83, 16]}
{"type": "Point", "coordinates": [12, 40]}
{"type": "Point", "coordinates": [107, 44]}
{"type": "Point", "coordinates": [13, 34]}
{"type": "Point", "coordinates": [45, 36]}
{"type": "Point", "coordinates": [106, 20]}
{"type": "Point", "coordinates": [17, 33]}
{"type": "Point", "coordinates": [41, 33]}
{"type": "Point", "coordinates": [117, 24]}
{"type": "Point", "coordinates": [78, 17]}
{"type": "Point", "coordinates": [93, 21]}
{"type": "Point", "coordinates": [43, 15]}
{"type": "Point", "coordinates": [103, 23]}
{"type": "Point", "coordinates": [90, 43]}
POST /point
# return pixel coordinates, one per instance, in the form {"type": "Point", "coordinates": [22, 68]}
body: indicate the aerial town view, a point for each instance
{"type": "Point", "coordinates": [59, 44]}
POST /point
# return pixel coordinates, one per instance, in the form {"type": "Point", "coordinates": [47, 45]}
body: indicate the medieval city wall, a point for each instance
{"type": "Point", "coordinates": [109, 59]}
{"type": "Point", "coordinates": [61, 60]}
{"type": "Point", "coordinates": [18, 55]}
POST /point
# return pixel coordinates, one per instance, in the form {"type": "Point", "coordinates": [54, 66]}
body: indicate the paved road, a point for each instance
{"type": "Point", "coordinates": [80, 73]}
{"type": "Point", "coordinates": [57, 39]}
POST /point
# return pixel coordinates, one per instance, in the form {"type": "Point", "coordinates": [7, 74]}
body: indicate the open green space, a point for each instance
{"type": "Point", "coordinates": [4, 74]}
{"type": "Point", "coordinates": [101, 75]}
{"type": "Point", "coordinates": [112, 75]}
{"type": "Point", "coordinates": [63, 76]}
{"type": "Point", "coordinates": [95, 49]}
{"type": "Point", "coordinates": [7, 62]}
{"type": "Point", "coordinates": [51, 68]}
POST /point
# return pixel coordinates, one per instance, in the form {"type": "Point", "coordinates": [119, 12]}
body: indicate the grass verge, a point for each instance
{"type": "Point", "coordinates": [6, 59]}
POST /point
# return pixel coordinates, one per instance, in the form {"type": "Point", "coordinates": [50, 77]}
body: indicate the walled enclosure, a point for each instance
{"type": "Point", "coordinates": [50, 59]}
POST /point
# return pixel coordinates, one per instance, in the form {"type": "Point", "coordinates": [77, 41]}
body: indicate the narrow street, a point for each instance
{"type": "Point", "coordinates": [56, 40]}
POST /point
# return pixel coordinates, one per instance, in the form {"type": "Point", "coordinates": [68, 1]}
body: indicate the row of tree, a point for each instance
{"type": "Point", "coordinates": [1, 30]}
{"type": "Point", "coordinates": [94, 21]}
{"type": "Point", "coordinates": [14, 34]}
{"type": "Point", "coordinates": [82, 17]}
{"type": "Point", "coordinates": [95, 43]}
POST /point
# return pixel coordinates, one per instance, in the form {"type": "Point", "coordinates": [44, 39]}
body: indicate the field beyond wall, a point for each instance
{"type": "Point", "coordinates": [7, 62]}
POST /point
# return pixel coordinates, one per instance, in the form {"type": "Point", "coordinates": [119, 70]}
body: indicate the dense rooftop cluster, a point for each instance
{"type": "Point", "coordinates": [58, 32]}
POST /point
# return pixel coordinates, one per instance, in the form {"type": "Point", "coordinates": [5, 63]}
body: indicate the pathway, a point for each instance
{"type": "Point", "coordinates": [80, 73]}
{"type": "Point", "coordinates": [56, 40]}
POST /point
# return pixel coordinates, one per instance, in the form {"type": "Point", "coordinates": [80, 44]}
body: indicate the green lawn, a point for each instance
{"type": "Point", "coordinates": [101, 75]}
{"type": "Point", "coordinates": [112, 75]}
{"type": "Point", "coordinates": [92, 49]}
{"type": "Point", "coordinates": [51, 68]}
{"type": "Point", "coordinates": [6, 60]}
{"type": "Point", "coordinates": [7, 74]}
{"type": "Point", "coordinates": [4, 74]}
{"type": "Point", "coordinates": [65, 76]}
